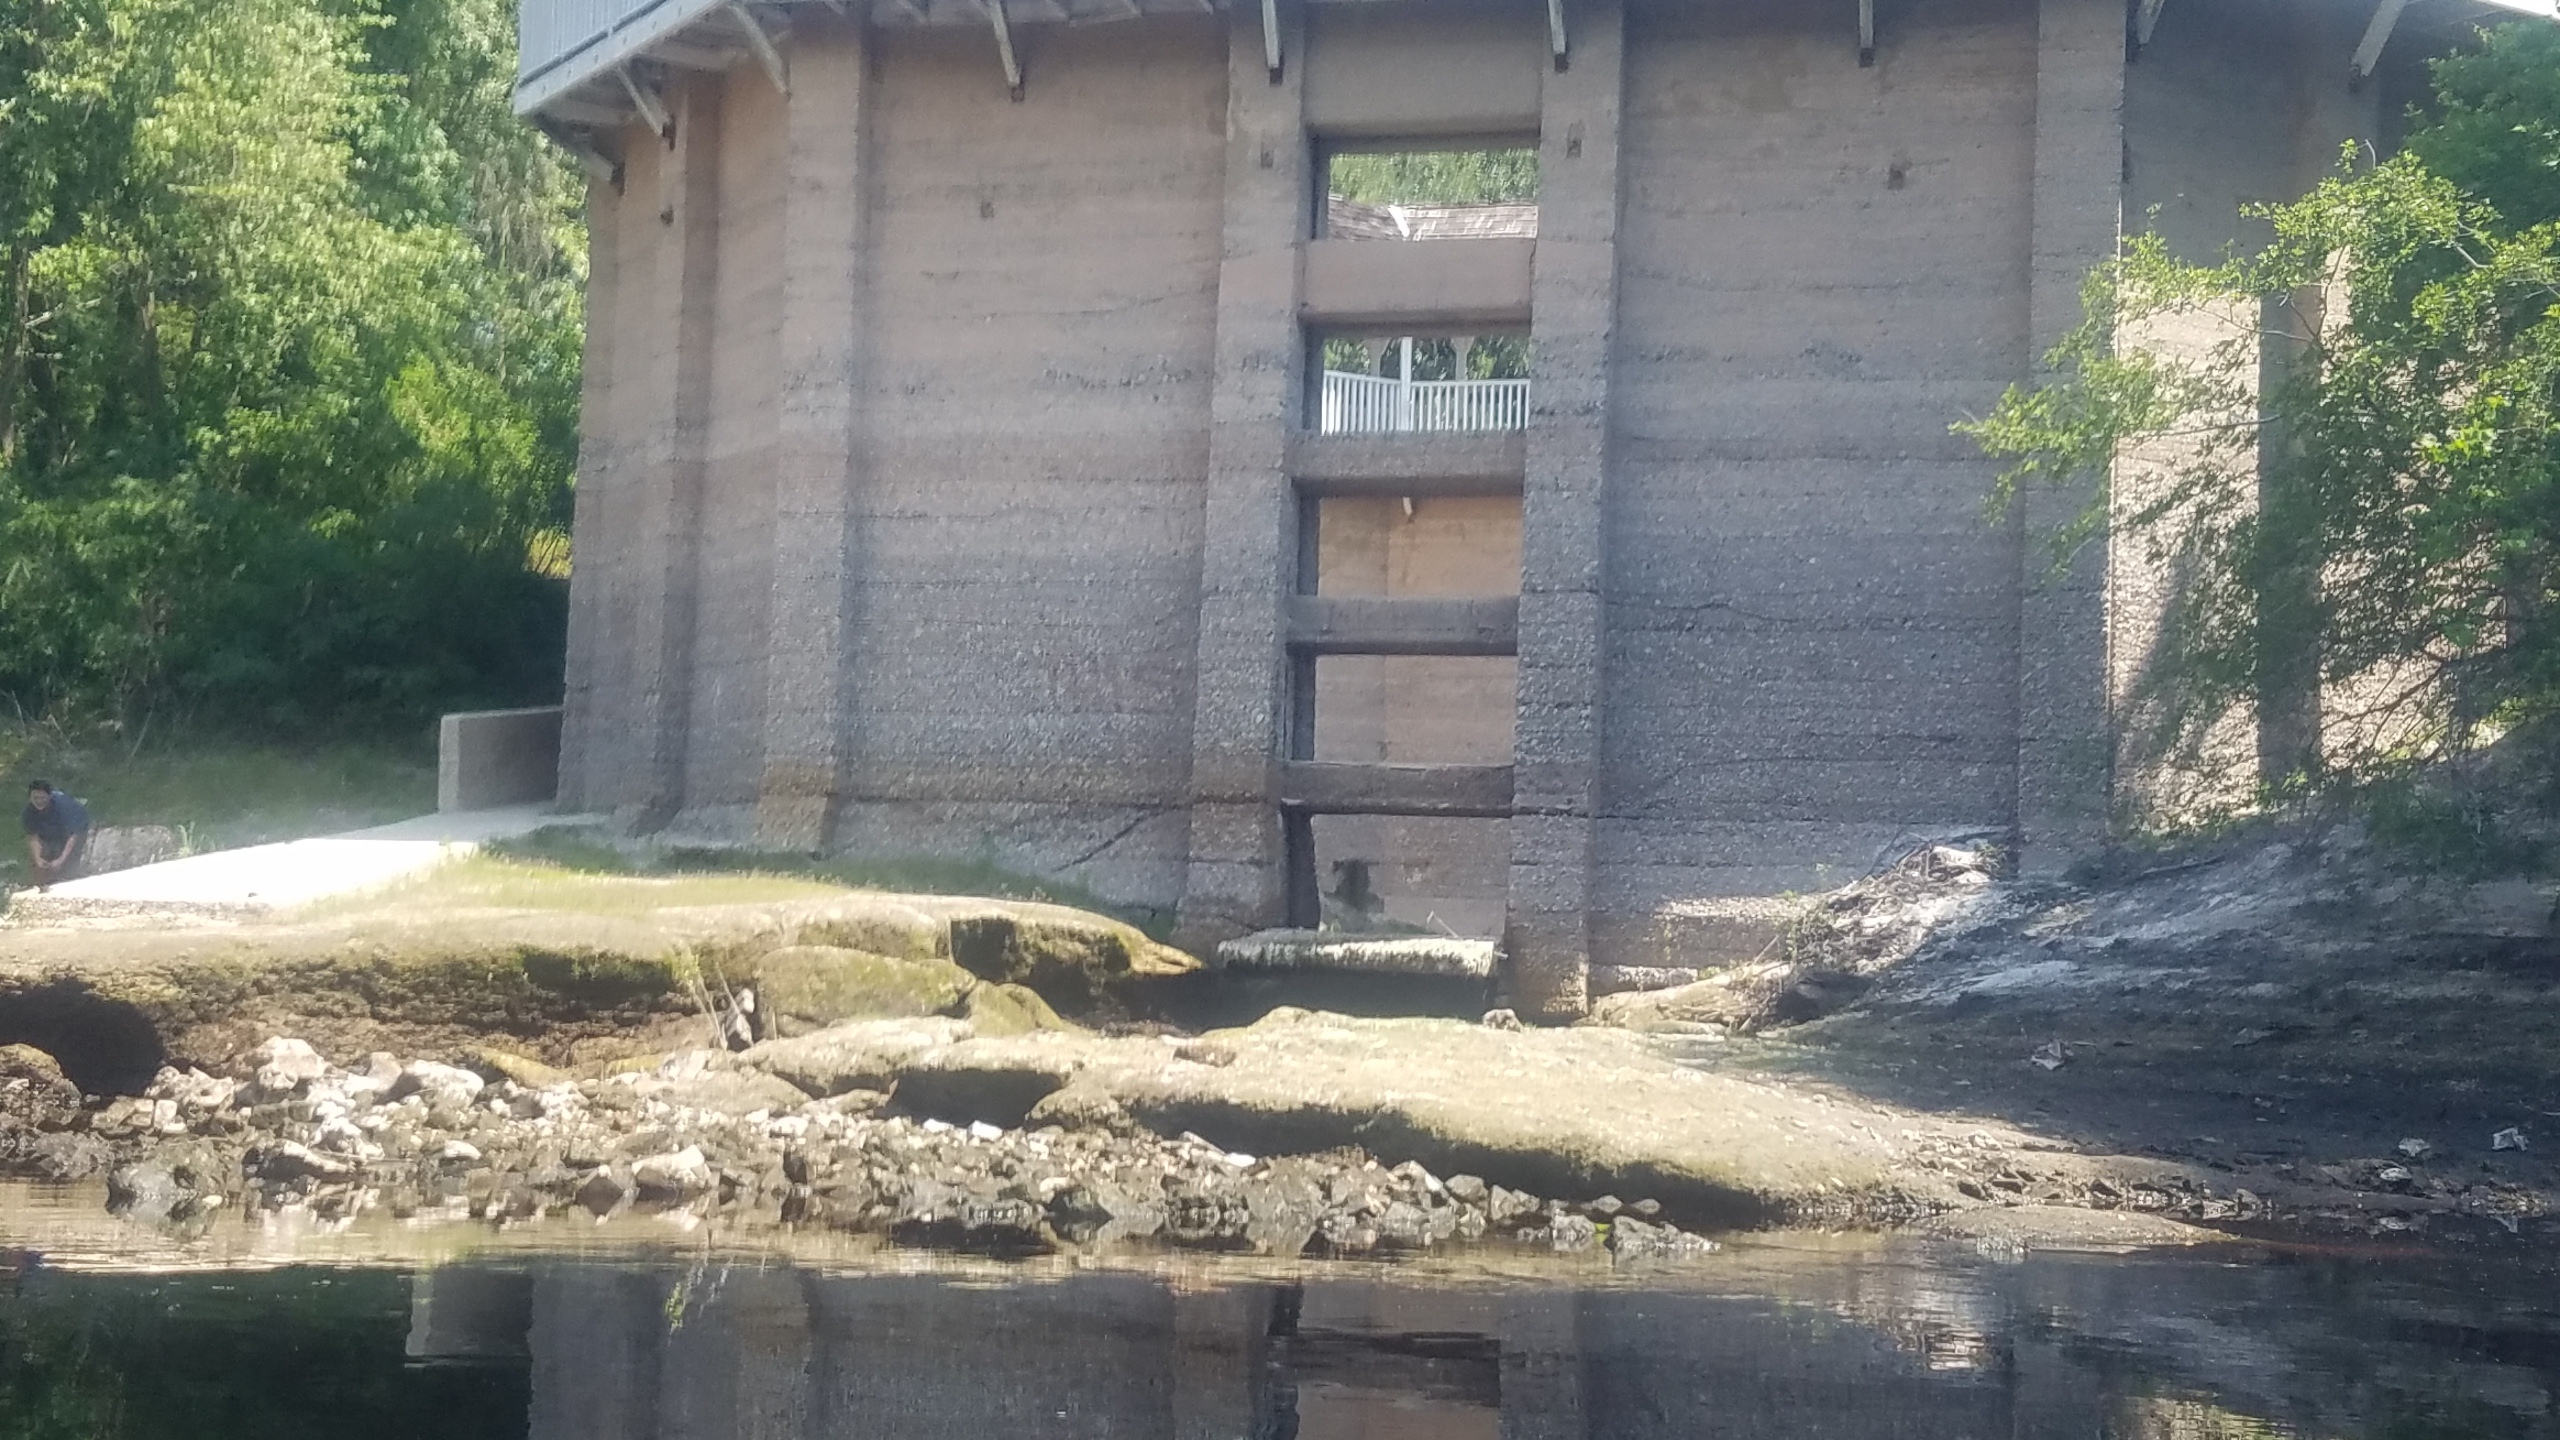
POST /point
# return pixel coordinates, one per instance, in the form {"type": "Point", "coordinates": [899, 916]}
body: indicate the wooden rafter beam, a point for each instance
{"type": "Point", "coordinates": [762, 47]}
{"type": "Point", "coordinates": [1004, 48]}
{"type": "Point", "coordinates": [2386, 18]}
{"type": "Point", "coordinates": [2146, 18]}
{"type": "Point", "coordinates": [644, 98]}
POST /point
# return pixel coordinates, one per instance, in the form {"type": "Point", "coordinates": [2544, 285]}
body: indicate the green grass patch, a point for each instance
{"type": "Point", "coordinates": [497, 881]}
{"type": "Point", "coordinates": [581, 851]}
{"type": "Point", "coordinates": [221, 792]}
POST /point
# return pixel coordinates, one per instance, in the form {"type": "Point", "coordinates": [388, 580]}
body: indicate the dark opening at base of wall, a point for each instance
{"type": "Point", "coordinates": [106, 1047]}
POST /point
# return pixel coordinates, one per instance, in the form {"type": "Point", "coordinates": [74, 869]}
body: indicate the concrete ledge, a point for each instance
{"type": "Point", "coordinates": [1480, 791]}
{"type": "Point", "coordinates": [486, 759]}
{"type": "Point", "coordinates": [1374, 954]}
{"type": "Point", "coordinates": [1373, 625]}
{"type": "Point", "coordinates": [1464, 464]}
{"type": "Point", "coordinates": [1438, 283]}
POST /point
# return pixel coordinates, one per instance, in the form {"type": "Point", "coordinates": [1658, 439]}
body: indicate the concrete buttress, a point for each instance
{"type": "Point", "coordinates": [1574, 298]}
{"type": "Point", "coordinates": [1250, 544]}
{"type": "Point", "coordinates": [811, 649]}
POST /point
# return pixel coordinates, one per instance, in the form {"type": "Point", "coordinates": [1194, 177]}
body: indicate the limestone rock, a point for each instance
{"type": "Point", "coordinates": [33, 1087]}
{"type": "Point", "coordinates": [1629, 1236]}
{"type": "Point", "coordinates": [603, 1190]}
{"type": "Point", "coordinates": [734, 1091]}
{"type": "Point", "coordinates": [526, 1071]}
{"type": "Point", "coordinates": [292, 1160]}
{"type": "Point", "coordinates": [676, 1174]}
{"type": "Point", "coordinates": [802, 988]}
{"type": "Point", "coordinates": [1009, 1010]}
{"type": "Point", "coordinates": [283, 1063]}
{"type": "Point", "coordinates": [124, 847]}
{"type": "Point", "coordinates": [1078, 1108]}
{"type": "Point", "coordinates": [1073, 958]}
{"type": "Point", "coordinates": [862, 1055]}
{"type": "Point", "coordinates": [438, 1084]}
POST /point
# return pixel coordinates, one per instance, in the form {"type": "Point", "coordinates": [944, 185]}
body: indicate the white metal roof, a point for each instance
{"type": "Point", "coordinates": [595, 63]}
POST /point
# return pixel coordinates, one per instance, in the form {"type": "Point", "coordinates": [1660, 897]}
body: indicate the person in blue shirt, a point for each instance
{"type": "Point", "coordinates": [57, 829]}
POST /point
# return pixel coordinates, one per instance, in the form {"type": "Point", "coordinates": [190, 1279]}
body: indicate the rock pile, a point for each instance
{"type": "Point", "coordinates": [703, 1134]}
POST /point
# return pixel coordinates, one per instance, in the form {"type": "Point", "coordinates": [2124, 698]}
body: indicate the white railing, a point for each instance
{"type": "Point", "coordinates": [1376, 405]}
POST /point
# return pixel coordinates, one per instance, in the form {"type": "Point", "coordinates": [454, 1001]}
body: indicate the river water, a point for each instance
{"type": "Point", "coordinates": [279, 1329]}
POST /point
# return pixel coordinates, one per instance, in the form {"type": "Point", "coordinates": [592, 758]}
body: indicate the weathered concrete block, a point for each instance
{"type": "Point", "coordinates": [489, 758]}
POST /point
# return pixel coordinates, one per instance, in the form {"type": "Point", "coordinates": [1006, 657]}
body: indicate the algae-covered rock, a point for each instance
{"type": "Point", "coordinates": [877, 925]}
{"type": "Point", "coordinates": [809, 987]}
{"type": "Point", "coordinates": [864, 1055]}
{"type": "Point", "coordinates": [733, 1091]}
{"type": "Point", "coordinates": [1009, 1010]}
{"type": "Point", "coordinates": [1076, 960]}
{"type": "Point", "coordinates": [526, 1071]}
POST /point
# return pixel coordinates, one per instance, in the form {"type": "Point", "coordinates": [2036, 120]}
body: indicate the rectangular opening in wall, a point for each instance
{"type": "Point", "coordinates": [1391, 191]}
{"type": "Point", "coordinates": [1414, 709]}
{"type": "Point", "coordinates": [1393, 384]}
{"type": "Point", "coordinates": [1424, 547]}
{"type": "Point", "coordinates": [1388, 874]}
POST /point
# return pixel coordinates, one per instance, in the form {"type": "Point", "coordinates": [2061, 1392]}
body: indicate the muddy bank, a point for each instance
{"type": "Point", "coordinates": [566, 969]}
{"type": "Point", "coordinates": [2304, 1020]}
{"type": "Point", "coordinates": [2276, 1038]}
{"type": "Point", "coordinates": [705, 1132]}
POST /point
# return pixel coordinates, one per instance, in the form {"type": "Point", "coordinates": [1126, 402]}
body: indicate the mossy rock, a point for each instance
{"type": "Point", "coordinates": [809, 987]}
{"type": "Point", "coordinates": [1077, 962]}
{"type": "Point", "coordinates": [1009, 1010]}
{"type": "Point", "coordinates": [878, 927]}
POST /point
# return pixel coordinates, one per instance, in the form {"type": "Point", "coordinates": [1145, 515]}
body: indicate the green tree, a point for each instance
{"type": "Point", "coordinates": [1435, 177]}
{"type": "Point", "coordinates": [2382, 518]}
{"type": "Point", "coordinates": [288, 397]}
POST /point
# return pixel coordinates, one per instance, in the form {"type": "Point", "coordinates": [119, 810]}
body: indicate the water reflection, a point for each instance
{"type": "Point", "coordinates": [1781, 1343]}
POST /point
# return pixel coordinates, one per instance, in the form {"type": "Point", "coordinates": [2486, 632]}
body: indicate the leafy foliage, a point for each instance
{"type": "Point", "coordinates": [289, 368]}
{"type": "Point", "coordinates": [1435, 177]}
{"type": "Point", "coordinates": [2371, 526]}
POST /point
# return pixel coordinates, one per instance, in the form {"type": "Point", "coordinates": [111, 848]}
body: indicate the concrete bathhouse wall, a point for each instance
{"type": "Point", "coordinates": [945, 453]}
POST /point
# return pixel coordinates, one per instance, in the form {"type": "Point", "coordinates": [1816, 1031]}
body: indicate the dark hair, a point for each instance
{"type": "Point", "coordinates": [44, 785]}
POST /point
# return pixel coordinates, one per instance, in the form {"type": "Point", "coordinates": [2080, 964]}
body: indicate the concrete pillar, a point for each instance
{"type": "Point", "coordinates": [1250, 545]}
{"type": "Point", "coordinates": [671, 353]}
{"type": "Point", "coordinates": [1574, 311]}
{"type": "Point", "coordinates": [586, 705]}
{"type": "Point", "coordinates": [465, 1313]}
{"type": "Point", "coordinates": [1221, 1349]}
{"type": "Point", "coordinates": [822, 341]}
{"type": "Point", "coordinates": [595, 1338]}
{"type": "Point", "coordinates": [2064, 761]}
{"type": "Point", "coordinates": [736, 1361]}
{"type": "Point", "coordinates": [1541, 1334]}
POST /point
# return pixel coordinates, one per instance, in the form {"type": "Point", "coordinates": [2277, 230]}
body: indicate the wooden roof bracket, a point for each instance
{"type": "Point", "coordinates": [767, 54]}
{"type": "Point", "coordinates": [644, 98]}
{"type": "Point", "coordinates": [579, 145]}
{"type": "Point", "coordinates": [2146, 18]}
{"type": "Point", "coordinates": [1557, 42]}
{"type": "Point", "coordinates": [2386, 17]}
{"type": "Point", "coordinates": [1004, 49]}
{"type": "Point", "coordinates": [1271, 60]}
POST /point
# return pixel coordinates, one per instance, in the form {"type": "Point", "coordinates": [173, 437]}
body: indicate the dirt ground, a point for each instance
{"type": "Point", "coordinates": [2299, 1019]}
{"type": "Point", "coordinates": [2289, 1038]}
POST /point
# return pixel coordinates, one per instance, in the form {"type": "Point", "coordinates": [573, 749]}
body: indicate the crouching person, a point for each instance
{"type": "Point", "coordinates": [57, 829]}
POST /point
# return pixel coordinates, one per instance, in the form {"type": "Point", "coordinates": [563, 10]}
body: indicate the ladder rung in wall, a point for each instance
{"type": "Point", "coordinates": [1451, 791]}
{"type": "Point", "coordinates": [1378, 625]}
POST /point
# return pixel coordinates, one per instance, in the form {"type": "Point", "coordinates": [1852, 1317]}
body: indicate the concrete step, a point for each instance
{"type": "Point", "coordinates": [1321, 788]}
{"type": "Point", "coordinates": [1384, 625]}
{"type": "Point", "coordinates": [1436, 955]}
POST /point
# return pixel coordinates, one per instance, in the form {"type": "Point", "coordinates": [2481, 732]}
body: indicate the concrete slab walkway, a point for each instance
{"type": "Point", "coordinates": [261, 879]}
